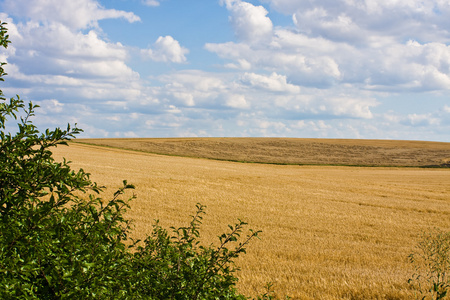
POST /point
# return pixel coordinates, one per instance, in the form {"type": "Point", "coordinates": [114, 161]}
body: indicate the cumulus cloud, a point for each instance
{"type": "Point", "coordinates": [269, 95]}
{"type": "Point", "coordinates": [79, 14]}
{"type": "Point", "coordinates": [53, 58]}
{"type": "Point", "coordinates": [323, 75]}
{"type": "Point", "coordinates": [51, 46]}
{"type": "Point", "coordinates": [348, 42]}
{"type": "Point", "coordinates": [349, 107]}
{"type": "Point", "coordinates": [304, 60]}
{"type": "Point", "coordinates": [250, 22]}
{"type": "Point", "coordinates": [166, 49]}
{"type": "Point", "coordinates": [186, 98]}
{"type": "Point", "coordinates": [420, 120]}
{"type": "Point", "coordinates": [193, 80]}
{"type": "Point", "coordinates": [237, 101]}
{"type": "Point", "coordinates": [53, 53]}
{"type": "Point", "coordinates": [363, 20]}
{"type": "Point", "coordinates": [411, 66]}
{"type": "Point", "coordinates": [273, 83]}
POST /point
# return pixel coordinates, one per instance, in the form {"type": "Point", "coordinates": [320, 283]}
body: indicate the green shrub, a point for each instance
{"type": "Point", "coordinates": [432, 264]}
{"type": "Point", "coordinates": [60, 240]}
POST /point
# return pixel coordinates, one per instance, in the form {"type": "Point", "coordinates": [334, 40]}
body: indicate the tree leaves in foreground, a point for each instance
{"type": "Point", "coordinates": [60, 240]}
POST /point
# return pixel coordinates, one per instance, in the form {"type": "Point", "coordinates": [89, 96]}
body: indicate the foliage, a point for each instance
{"type": "Point", "coordinates": [193, 271]}
{"type": "Point", "coordinates": [432, 263]}
{"type": "Point", "coordinates": [59, 239]}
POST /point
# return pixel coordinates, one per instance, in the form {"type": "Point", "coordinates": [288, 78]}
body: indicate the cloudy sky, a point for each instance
{"type": "Point", "coordinates": [375, 69]}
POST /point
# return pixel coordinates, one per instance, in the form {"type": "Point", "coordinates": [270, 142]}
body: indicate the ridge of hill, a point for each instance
{"type": "Point", "coordinates": [296, 151]}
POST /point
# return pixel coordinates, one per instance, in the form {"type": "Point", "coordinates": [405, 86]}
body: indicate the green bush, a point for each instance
{"type": "Point", "coordinates": [432, 264]}
{"type": "Point", "coordinates": [60, 240]}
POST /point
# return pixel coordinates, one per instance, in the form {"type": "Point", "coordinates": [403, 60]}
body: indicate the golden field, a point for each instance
{"type": "Point", "coordinates": [293, 150]}
{"type": "Point", "coordinates": [329, 232]}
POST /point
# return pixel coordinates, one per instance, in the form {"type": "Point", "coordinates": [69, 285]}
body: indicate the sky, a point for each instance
{"type": "Point", "coordinates": [359, 69]}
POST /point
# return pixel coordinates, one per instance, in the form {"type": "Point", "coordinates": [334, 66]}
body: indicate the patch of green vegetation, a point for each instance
{"type": "Point", "coordinates": [432, 263]}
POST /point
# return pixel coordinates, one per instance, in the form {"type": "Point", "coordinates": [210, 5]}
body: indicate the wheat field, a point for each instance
{"type": "Point", "coordinates": [329, 232]}
{"type": "Point", "coordinates": [292, 150]}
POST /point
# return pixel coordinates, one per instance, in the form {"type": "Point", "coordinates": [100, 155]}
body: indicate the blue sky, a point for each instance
{"type": "Point", "coordinates": [373, 69]}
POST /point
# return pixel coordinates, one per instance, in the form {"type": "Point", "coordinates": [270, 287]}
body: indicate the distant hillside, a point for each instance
{"type": "Point", "coordinates": [293, 150]}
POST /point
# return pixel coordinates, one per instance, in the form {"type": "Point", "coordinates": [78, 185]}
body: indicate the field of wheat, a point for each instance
{"type": "Point", "coordinates": [329, 232]}
{"type": "Point", "coordinates": [293, 150]}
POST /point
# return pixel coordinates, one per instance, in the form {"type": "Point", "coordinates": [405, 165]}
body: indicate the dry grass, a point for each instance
{"type": "Point", "coordinates": [328, 232]}
{"type": "Point", "coordinates": [293, 151]}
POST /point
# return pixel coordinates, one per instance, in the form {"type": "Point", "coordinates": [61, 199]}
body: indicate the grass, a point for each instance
{"type": "Point", "coordinates": [328, 232]}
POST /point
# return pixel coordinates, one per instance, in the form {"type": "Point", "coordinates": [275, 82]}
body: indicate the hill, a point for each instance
{"type": "Point", "coordinates": [294, 151]}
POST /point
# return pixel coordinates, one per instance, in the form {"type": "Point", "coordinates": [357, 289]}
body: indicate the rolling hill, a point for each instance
{"type": "Point", "coordinates": [294, 151]}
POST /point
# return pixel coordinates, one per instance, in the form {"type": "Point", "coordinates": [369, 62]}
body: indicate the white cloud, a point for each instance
{"type": "Point", "coordinates": [50, 106]}
{"type": "Point", "coordinates": [193, 80]}
{"type": "Point", "coordinates": [242, 64]}
{"type": "Point", "coordinates": [186, 98]}
{"type": "Point", "coordinates": [193, 89]}
{"type": "Point", "coordinates": [316, 61]}
{"type": "Point", "coordinates": [166, 49]}
{"type": "Point", "coordinates": [53, 59]}
{"type": "Point", "coordinates": [50, 51]}
{"type": "Point", "coordinates": [237, 101]}
{"type": "Point", "coordinates": [78, 14]}
{"type": "Point", "coordinates": [421, 120]}
{"type": "Point", "coordinates": [378, 45]}
{"type": "Point", "coordinates": [303, 65]}
{"type": "Point", "coordinates": [273, 83]}
{"type": "Point", "coordinates": [357, 21]}
{"type": "Point", "coordinates": [412, 66]}
{"type": "Point", "coordinates": [234, 51]}
{"type": "Point", "coordinates": [55, 55]}
{"type": "Point", "coordinates": [321, 76]}
{"type": "Point", "coordinates": [59, 42]}
{"type": "Point", "coordinates": [250, 22]}
{"type": "Point", "coordinates": [350, 107]}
